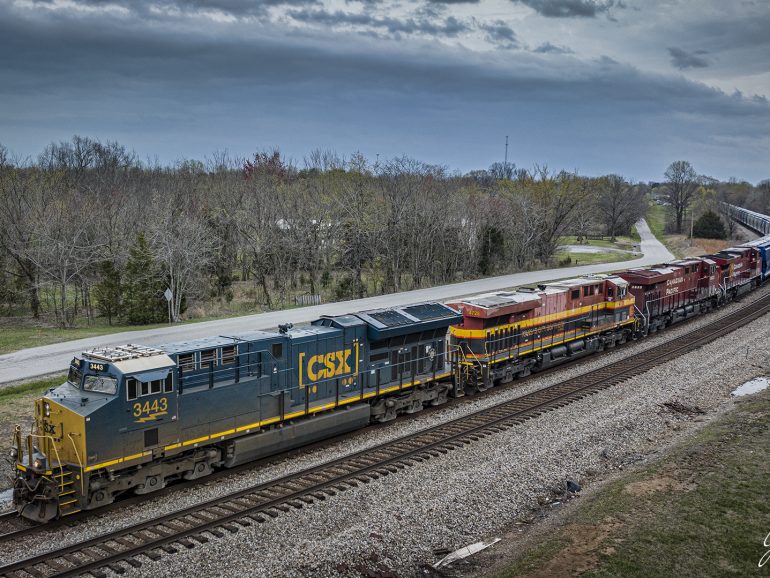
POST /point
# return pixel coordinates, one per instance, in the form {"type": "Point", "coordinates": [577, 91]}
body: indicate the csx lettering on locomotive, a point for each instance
{"type": "Point", "coordinates": [326, 365]}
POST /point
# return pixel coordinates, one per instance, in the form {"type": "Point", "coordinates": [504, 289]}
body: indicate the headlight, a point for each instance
{"type": "Point", "coordinates": [14, 453]}
{"type": "Point", "coordinates": [37, 464]}
{"type": "Point", "coordinates": [46, 409]}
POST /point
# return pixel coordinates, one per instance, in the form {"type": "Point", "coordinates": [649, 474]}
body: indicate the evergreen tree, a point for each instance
{"type": "Point", "coordinates": [492, 249]}
{"type": "Point", "coordinates": [108, 291]}
{"type": "Point", "coordinates": [142, 288]}
{"type": "Point", "coordinates": [709, 226]}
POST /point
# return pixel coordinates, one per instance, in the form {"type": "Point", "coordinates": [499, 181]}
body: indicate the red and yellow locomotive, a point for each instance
{"type": "Point", "coordinates": [509, 334]}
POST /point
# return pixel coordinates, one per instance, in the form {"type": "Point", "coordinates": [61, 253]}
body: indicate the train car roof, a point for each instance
{"type": "Point", "coordinates": [684, 262]}
{"type": "Point", "coordinates": [649, 276]}
{"type": "Point", "coordinates": [394, 321]}
{"type": "Point", "coordinates": [197, 344]}
{"type": "Point", "coordinates": [761, 242]}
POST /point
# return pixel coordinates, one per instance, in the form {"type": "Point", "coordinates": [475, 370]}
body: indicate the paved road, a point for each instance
{"type": "Point", "coordinates": [38, 361]}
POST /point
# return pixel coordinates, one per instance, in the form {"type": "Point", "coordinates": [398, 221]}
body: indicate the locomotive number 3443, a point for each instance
{"type": "Point", "coordinates": [151, 409]}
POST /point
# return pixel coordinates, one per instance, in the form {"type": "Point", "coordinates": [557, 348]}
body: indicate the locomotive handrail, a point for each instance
{"type": "Point", "coordinates": [56, 451]}
{"type": "Point", "coordinates": [644, 317]}
{"type": "Point", "coordinates": [80, 463]}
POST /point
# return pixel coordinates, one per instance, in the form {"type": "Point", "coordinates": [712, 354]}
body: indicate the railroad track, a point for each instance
{"type": "Point", "coordinates": [194, 525]}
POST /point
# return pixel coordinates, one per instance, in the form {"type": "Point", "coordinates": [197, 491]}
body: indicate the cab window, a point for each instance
{"type": "Point", "coordinates": [101, 384]}
{"type": "Point", "coordinates": [74, 377]}
{"type": "Point", "coordinates": [135, 388]}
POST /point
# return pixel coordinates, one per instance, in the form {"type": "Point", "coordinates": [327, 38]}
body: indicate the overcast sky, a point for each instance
{"type": "Point", "coordinates": [597, 86]}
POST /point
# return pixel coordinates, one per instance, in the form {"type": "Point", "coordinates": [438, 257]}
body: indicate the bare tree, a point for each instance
{"type": "Point", "coordinates": [619, 204]}
{"type": "Point", "coordinates": [681, 184]}
{"type": "Point", "coordinates": [182, 245]}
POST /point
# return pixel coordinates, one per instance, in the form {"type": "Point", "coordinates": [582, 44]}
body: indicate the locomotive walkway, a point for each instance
{"type": "Point", "coordinates": [47, 359]}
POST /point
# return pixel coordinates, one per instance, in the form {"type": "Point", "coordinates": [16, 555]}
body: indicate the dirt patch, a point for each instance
{"type": "Point", "coordinates": [657, 484]}
{"type": "Point", "coordinates": [582, 553]}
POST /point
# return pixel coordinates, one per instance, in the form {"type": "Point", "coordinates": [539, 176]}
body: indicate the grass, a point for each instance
{"type": "Point", "coordinates": [591, 258]}
{"type": "Point", "coordinates": [13, 338]}
{"type": "Point", "coordinates": [623, 243]}
{"type": "Point", "coordinates": [656, 219]}
{"type": "Point", "coordinates": [701, 511]}
{"type": "Point", "coordinates": [38, 386]}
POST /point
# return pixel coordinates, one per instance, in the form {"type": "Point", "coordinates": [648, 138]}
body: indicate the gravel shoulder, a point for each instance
{"type": "Point", "coordinates": [393, 525]}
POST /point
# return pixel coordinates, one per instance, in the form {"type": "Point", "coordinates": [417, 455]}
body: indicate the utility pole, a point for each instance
{"type": "Point", "coordinates": [692, 218]}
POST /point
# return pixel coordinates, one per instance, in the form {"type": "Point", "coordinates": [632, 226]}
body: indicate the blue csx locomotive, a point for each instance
{"type": "Point", "coordinates": [134, 418]}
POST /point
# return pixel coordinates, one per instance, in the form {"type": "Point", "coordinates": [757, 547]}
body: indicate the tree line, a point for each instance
{"type": "Point", "coordinates": [87, 229]}
{"type": "Point", "coordinates": [702, 198]}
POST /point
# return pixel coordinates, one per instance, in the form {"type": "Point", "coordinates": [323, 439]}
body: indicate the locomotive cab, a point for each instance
{"type": "Point", "coordinates": [55, 460]}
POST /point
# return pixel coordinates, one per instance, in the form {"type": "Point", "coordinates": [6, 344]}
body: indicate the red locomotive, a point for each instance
{"type": "Point", "coordinates": [509, 334]}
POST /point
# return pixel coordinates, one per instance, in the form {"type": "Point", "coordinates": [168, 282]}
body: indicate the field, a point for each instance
{"type": "Point", "coordinates": [681, 245]}
{"type": "Point", "coordinates": [699, 511]}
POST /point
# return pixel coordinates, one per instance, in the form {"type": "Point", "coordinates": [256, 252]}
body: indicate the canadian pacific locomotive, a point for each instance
{"type": "Point", "coordinates": [134, 418]}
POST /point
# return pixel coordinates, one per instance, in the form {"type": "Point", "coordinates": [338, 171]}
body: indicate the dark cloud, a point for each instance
{"type": "Point", "coordinates": [185, 87]}
{"type": "Point", "coordinates": [548, 48]}
{"type": "Point", "coordinates": [571, 8]}
{"type": "Point", "coordinates": [682, 59]}
{"type": "Point", "coordinates": [450, 26]}
{"type": "Point", "coordinates": [235, 8]}
{"type": "Point", "coordinates": [500, 34]}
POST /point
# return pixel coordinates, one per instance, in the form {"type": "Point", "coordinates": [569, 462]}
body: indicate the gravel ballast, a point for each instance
{"type": "Point", "coordinates": [396, 522]}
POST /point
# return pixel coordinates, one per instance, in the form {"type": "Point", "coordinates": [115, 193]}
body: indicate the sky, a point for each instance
{"type": "Point", "coordinates": [593, 86]}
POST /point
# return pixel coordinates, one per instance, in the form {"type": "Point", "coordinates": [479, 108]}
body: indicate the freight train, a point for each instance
{"type": "Point", "coordinates": [133, 419]}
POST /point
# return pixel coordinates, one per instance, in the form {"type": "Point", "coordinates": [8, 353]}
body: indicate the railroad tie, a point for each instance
{"type": "Point", "coordinates": [152, 555]}
{"type": "Point", "coordinates": [56, 565]}
{"type": "Point", "coordinates": [34, 572]}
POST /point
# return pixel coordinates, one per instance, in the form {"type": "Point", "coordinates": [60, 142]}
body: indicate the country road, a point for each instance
{"type": "Point", "coordinates": [47, 359]}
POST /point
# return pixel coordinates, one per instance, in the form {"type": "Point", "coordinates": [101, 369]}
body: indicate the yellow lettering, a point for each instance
{"type": "Point", "coordinates": [137, 409]}
{"type": "Point", "coordinates": [346, 367]}
{"type": "Point", "coordinates": [331, 370]}
{"type": "Point", "coordinates": [332, 364]}
{"type": "Point", "coordinates": [154, 406]}
{"type": "Point", "coordinates": [311, 373]}
{"type": "Point", "coordinates": [340, 362]}
{"type": "Point", "coordinates": [163, 404]}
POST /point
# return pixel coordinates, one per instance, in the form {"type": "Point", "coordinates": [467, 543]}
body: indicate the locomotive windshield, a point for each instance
{"type": "Point", "coordinates": [101, 384]}
{"type": "Point", "coordinates": [74, 376]}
